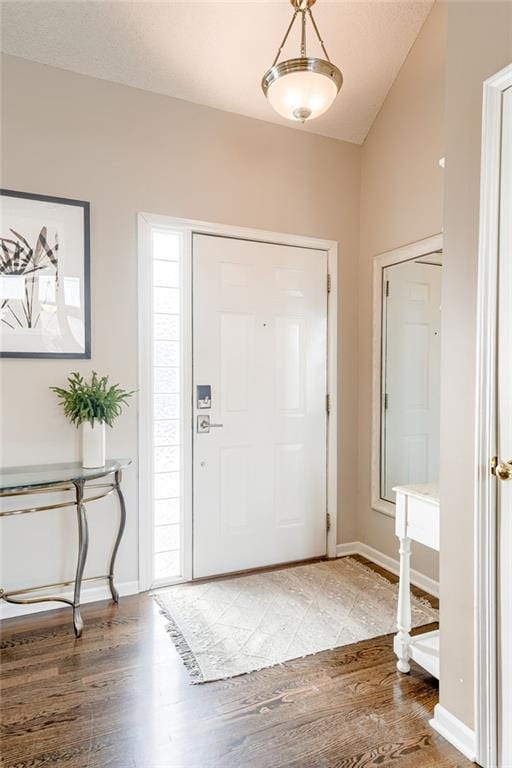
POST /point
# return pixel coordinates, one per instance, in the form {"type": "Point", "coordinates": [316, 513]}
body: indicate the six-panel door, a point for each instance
{"type": "Point", "coordinates": [260, 343]}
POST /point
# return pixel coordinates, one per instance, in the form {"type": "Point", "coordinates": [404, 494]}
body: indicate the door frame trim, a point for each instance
{"type": "Point", "coordinates": [486, 591]}
{"type": "Point", "coordinates": [189, 227]}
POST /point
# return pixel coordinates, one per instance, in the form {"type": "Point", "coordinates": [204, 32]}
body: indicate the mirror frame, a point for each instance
{"type": "Point", "coordinates": [380, 262]}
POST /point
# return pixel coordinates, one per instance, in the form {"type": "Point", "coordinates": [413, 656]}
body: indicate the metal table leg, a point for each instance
{"type": "Point", "coordinates": [83, 544]}
{"type": "Point", "coordinates": [122, 523]}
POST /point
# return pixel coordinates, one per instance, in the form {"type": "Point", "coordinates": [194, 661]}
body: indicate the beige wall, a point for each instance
{"type": "Point", "coordinates": [401, 202]}
{"type": "Point", "coordinates": [126, 151]}
{"type": "Point", "coordinates": [479, 44]}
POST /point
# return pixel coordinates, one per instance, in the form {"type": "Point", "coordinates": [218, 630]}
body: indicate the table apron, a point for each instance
{"type": "Point", "coordinates": [61, 505]}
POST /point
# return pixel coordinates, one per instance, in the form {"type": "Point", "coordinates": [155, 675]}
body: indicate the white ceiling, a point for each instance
{"type": "Point", "coordinates": [215, 53]}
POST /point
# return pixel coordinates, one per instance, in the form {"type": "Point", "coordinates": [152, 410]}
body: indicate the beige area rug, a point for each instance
{"type": "Point", "coordinates": [232, 626]}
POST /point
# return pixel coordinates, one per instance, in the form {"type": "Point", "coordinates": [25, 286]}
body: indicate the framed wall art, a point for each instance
{"type": "Point", "coordinates": [45, 302]}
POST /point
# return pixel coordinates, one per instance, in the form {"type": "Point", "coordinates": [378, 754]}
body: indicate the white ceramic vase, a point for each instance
{"type": "Point", "coordinates": [93, 444]}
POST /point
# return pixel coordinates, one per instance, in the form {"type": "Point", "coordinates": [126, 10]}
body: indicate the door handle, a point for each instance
{"type": "Point", "coordinates": [204, 424]}
{"type": "Point", "coordinates": [503, 470]}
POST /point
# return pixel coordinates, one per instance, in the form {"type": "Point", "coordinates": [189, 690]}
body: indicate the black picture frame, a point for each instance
{"type": "Point", "coordinates": [85, 206]}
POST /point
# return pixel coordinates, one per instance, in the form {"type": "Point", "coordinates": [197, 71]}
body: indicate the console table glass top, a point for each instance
{"type": "Point", "coordinates": [14, 478]}
{"type": "Point", "coordinates": [39, 479]}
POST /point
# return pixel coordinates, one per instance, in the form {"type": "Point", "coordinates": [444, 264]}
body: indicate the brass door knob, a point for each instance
{"type": "Point", "coordinates": [504, 470]}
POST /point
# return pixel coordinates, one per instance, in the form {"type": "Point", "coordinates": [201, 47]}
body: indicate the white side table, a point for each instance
{"type": "Point", "coordinates": [417, 519]}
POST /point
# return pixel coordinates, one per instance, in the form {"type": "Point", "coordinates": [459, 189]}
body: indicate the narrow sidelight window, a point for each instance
{"type": "Point", "coordinates": [166, 351]}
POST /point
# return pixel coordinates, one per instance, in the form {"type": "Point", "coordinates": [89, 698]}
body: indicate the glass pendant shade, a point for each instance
{"type": "Point", "coordinates": [302, 88]}
{"type": "Point", "coordinates": [304, 91]}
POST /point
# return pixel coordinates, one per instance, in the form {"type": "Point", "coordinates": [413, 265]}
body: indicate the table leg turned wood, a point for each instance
{"type": "Point", "coordinates": [403, 638]}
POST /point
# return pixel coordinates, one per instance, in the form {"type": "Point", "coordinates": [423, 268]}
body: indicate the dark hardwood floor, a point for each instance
{"type": "Point", "coordinates": [120, 697]}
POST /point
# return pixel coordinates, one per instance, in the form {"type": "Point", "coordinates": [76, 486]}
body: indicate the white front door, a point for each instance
{"type": "Point", "coordinates": [505, 440]}
{"type": "Point", "coordinates": [412, 375]}
{"type": "Point", "coordinates": [260, 370]}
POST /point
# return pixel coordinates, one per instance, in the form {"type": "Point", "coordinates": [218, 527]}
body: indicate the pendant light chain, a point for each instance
{"type": "Point", "coordinates": [318, 34]}
{"type": "Point", "coordinates": [285, 38]}
{"type": "Point", "coordinates": [303, 35]}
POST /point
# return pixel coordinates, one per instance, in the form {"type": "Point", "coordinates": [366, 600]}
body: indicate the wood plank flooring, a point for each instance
{"type": "Point", "coordinates": [121, 698]}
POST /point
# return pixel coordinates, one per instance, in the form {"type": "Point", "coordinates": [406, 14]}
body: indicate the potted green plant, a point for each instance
{"type": "Point", "coordinates": [90, 405]}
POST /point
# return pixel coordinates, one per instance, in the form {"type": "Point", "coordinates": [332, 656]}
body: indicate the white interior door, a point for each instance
{"type": "Point", "coordinates": [411, 357]}
{"type": "Point", "coordinates": [260, 345]}
{"type": "Point", "coordinates": [505, 440]}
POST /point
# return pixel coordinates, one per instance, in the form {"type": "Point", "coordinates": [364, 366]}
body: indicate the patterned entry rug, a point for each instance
{"type": "Point", "coordinates": [232, 626]}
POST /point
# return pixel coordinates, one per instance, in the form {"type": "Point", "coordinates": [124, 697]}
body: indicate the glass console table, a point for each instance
{"type": "Point", "coordinates": [56, 478]}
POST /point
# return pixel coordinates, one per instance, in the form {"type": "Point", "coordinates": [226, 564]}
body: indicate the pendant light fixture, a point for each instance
{"type": "Point", "coordinates": [305, 87]}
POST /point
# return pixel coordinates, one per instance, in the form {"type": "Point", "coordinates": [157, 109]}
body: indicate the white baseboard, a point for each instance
{"type": "Point", "coordinates": [453, 730]}
{"type": "Point", "coordinates": [350, 548]}
{"type": "Point", "coordinates": [389, 563]}
{"type": "Point", "coordinates": [90, 594]}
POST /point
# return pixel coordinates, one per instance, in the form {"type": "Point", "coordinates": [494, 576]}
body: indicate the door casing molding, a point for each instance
{"type": "Point", "coordinates": [147, 221]}
{"type": "Point", "coordinates": [486, 559]}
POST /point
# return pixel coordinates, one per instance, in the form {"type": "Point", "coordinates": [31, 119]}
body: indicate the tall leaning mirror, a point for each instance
{"type": "Point", "coordinates": [406, 369]}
